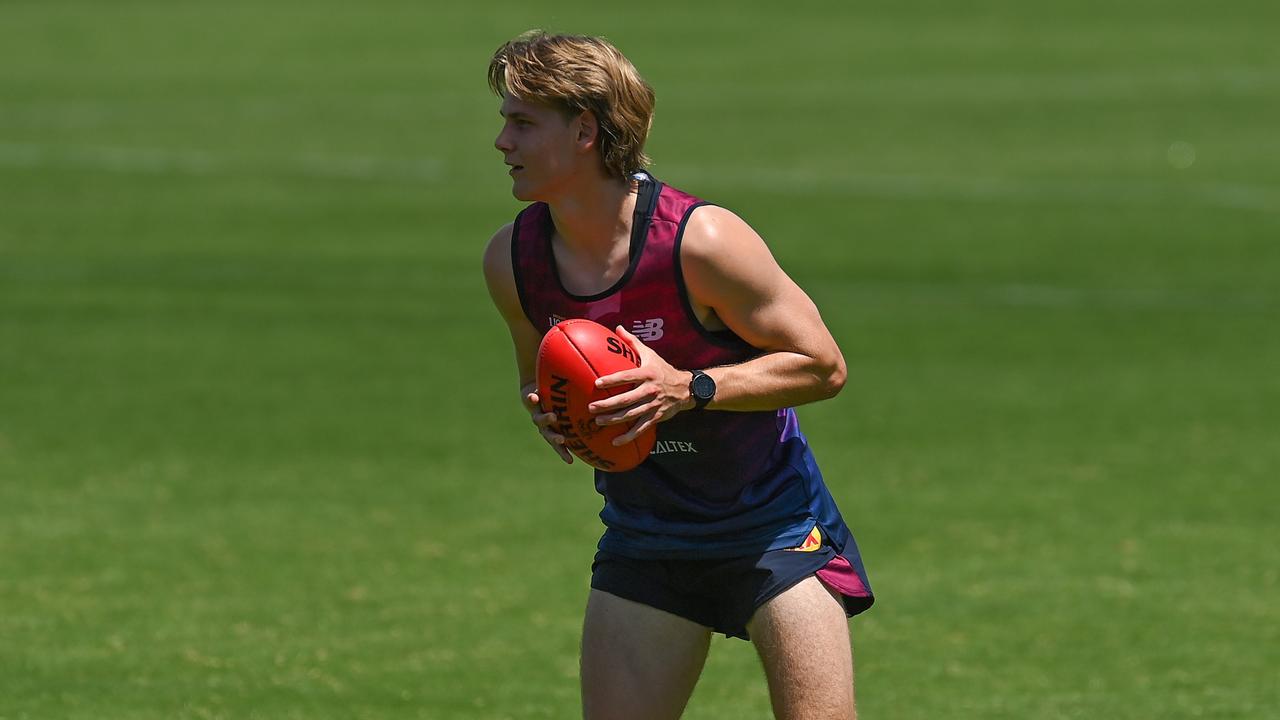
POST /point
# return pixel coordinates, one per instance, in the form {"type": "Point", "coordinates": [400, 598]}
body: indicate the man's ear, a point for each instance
{"type": "Point", "coordinates": [588, 133]}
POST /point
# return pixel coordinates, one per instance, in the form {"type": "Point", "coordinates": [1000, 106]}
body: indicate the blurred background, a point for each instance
{"type": "Point", "coordinates": [260, 449]}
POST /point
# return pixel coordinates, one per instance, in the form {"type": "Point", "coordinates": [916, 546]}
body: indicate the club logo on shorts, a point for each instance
{"type": "Point", "coordinates": [647, 330]}
{"type": "Point", "coordinates": [811, 543]}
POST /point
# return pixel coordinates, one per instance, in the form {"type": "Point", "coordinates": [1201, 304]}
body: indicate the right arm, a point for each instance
{"type": "Point", "coordinates": [499, 277]}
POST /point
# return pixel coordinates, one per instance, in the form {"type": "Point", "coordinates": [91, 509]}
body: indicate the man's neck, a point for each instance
{"type": "Point", "coordinates": [594, 218]}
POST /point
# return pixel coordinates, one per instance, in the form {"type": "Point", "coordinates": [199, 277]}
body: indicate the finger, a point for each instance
{"type": "Point", "coordinates": [636, 343]}
{"type": "Point", "coordinates": [543, 420]}
{"type": "Point", "coordinates": [564, 453]}
{"type": "Point", "coordinates": [623, 377]}
{"type": "Point", "coordinates": [626, 335]}
{"type": "Point", "coordinates": [621, 401]}
{"type": "Point", "coordinates": [629, 415]}
{"type": "Point", "coordinates": [532, 400]}
{"type": "Point", "coordinates": [636, 431]}
{"type": "Point", "coordinates": [556, 441]}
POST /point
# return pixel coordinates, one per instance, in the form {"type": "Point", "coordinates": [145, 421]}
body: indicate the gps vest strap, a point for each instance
{"type": "Point", "coordinates": [646, 203]}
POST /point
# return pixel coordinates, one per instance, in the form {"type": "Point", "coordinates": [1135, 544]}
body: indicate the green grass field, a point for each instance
{"type": "Point", "coordinates": [250, 380]}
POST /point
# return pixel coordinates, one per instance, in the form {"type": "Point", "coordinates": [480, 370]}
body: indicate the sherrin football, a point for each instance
{"type": "Point", "coordinates": [572, 355]}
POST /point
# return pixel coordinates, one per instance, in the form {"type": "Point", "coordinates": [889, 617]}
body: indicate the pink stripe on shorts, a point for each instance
{"type": "Point", "coordinates": [839, 574]}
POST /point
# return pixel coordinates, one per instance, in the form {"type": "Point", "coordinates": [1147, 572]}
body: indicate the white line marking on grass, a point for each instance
{"type": "Point", "coordinates": [1053, 296]}
{"type": "Point", "coordinates": [162, 161]}
{"type": "Point", "coordinates": [1032, 295]}
{"type": "Point", "coordinates": [803, 181]}
{"type": "Point", "coordinates": [146, 160]}
{"type": "Point", "coordinates": [12, 155]}
{"type": "Point", "coordinates": [965, 89]}
{"type": "Point", "coordinates": [794, 181]}
{"type": "Point", "coordinates": [359, 167]}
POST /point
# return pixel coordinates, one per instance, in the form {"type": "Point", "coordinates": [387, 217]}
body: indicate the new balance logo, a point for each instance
{"type": "Point", "coordinates": [556, 320]}
{"type": "Point", "coordinates": [647, 330]}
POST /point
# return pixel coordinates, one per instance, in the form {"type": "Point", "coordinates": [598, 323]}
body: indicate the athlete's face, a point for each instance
{"type": "Point", "coordinates": [540, 144]}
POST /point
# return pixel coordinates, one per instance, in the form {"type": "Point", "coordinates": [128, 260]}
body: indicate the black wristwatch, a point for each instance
{"type": "Point", "coordinates": [702, 387]}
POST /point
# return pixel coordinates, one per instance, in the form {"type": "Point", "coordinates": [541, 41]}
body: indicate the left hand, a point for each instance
{"type": "Point", "coordinates": [661, 391]}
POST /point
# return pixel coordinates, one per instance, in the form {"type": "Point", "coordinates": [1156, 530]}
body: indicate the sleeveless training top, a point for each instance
{"type": "Point", "coordinates": [718, 483]}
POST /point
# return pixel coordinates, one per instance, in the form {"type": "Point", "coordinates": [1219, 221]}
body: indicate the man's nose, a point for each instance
{"type": "Point", "coordinates": [502, 142]}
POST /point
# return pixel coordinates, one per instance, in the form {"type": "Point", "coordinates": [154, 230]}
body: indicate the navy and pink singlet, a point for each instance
{"type": "Point", "coordinates": [718, 483]}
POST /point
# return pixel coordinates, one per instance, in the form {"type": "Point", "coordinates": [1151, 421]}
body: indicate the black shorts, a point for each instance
{"type": "Point", "coordinates": [724, 593]}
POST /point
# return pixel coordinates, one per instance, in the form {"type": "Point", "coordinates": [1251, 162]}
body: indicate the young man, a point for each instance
{"type": "Point", "coordinates": [728, 526]}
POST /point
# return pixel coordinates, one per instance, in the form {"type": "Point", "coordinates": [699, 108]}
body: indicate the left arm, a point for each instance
{"type": "Point", "coordinates": [730, 274]}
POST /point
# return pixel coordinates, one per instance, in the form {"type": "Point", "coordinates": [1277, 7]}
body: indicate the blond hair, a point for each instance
{"type": "Point", "coordinates": [577, 73]}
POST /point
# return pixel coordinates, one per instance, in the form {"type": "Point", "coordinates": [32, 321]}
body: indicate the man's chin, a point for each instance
{"type": "Point", "coordinates": [522, 193]}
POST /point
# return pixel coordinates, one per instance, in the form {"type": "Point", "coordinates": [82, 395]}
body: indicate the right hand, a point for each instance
{"type": "Point", "coordinates": [544, 423]}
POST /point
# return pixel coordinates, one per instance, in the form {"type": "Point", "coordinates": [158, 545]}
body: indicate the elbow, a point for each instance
{"type": "Point", "coordinates": [834, 378]}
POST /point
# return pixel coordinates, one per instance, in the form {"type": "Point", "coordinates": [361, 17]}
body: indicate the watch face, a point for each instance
{"type": "Point", "coordinates": [703, 387]}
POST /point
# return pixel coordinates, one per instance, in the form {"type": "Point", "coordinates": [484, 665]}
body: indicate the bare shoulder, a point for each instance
{"type": "Point", "coordinates": [720, 246]}
{"type": "Point", "coordinates": [497, 253]}
{"type": "Point", "coordinates": [713, 230]}
{"type": "Point", "coordinates": [498, 275]}
{"type": "Point", "coordinates": [729, 269]}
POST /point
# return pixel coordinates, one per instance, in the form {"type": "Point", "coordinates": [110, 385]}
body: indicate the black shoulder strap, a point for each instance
{"type": "Point", "coordinates": [646, 204]}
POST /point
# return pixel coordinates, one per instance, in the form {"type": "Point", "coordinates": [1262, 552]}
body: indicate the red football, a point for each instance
{"type": "Point", "coordinates": [572, 355]}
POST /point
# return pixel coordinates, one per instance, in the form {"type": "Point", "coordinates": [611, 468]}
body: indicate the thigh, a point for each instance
{"type": "Point", "coordinates": [802, 637]}
{"type": "Point", "coordinates": [638, 661]}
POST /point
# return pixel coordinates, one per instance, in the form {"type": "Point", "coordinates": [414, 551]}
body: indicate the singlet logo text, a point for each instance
{"type": "Point", "coordinates": [672, 446]}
